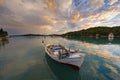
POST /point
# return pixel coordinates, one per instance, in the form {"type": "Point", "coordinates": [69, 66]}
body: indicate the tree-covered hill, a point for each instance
{"type": "Point", "coordinates": [3, 33]}
{"type": "Point", "coordinates": [95, 31]}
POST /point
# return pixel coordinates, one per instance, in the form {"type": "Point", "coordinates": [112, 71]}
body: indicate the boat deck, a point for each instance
{"type": "Point", "coordinates": [60, 54]}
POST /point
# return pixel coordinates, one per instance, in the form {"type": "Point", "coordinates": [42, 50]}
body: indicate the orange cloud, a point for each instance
{"type": "Point", "coordinates": [1, 2]}
{"type": "Point", "coordinates": [50, 19]}
{"type": "Point", "coordinates": [47, 29]}
{"type": "Point", "coordinates": [75, 18]}
{"type": "Point", "coordinates": [87, 25]}
{"type": "Point", "coordinates": [106, 15]}
{"type": "Point", "coordinates": [51, 4]}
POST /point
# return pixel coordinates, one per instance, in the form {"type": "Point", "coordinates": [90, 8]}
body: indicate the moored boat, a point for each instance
{"type": "Point", "coordinates": [59, 53]}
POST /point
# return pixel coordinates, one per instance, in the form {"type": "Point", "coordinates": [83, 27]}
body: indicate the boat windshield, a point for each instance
{"type": "Point", "coordinates": [56, 48]}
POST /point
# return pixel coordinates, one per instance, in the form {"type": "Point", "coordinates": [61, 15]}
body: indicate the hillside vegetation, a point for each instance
{"type": "Point", "coordinates": [95, 31]}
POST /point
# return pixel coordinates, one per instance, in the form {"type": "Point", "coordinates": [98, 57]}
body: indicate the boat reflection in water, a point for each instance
{"type": "Point", "coordinates": [61, 71]}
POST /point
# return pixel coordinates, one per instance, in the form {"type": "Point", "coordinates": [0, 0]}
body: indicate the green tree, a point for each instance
{"type": "Point", "coordinates": [3, 33]}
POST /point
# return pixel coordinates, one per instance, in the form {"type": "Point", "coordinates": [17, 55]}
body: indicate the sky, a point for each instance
{"type": "Point", "coordinates": [57, 16]}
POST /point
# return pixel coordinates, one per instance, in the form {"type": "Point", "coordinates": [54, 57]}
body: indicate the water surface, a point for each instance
{"type": "Point", "coordinates": [24, 58]}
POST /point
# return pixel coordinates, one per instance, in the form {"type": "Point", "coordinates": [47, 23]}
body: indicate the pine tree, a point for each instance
{"type": "Point", "coordinates": [1, 30]}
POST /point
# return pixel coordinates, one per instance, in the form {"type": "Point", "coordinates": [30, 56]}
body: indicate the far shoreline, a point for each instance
{"type": "Point", "coordinates": [28, 35]}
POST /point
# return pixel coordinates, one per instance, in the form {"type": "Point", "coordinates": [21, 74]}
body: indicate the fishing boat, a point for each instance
{"type": "Point", "coordinates": [63, 55]}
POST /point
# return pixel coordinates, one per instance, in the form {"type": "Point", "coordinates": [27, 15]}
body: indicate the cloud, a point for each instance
{"type": "Point", "coordinates": [51, 20]}
{"type": "Point", "coordinates": [1, 2]}
{"type": "Point", "coordinates": [87, 25]}
{"type": "Point", "coordinates": [64, 5]}
{"type": "Point", "coordinates": [57, 15]}
{"type": "Point", "coordinates": [51, 4]}
{"type": "Point", "coordinates": [105, 14]}
{"type": "Point", "coordinates": [75, 18]}
{"type": "Point", "coordinates": [87, 6]}
{"type": "Point", "coordinates": [113, 1]}
{"type": "Point", "coordinates": [96, 3]}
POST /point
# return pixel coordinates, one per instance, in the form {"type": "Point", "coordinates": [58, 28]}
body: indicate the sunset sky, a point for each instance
{"type": "Point", "coordinates": [57, 16]}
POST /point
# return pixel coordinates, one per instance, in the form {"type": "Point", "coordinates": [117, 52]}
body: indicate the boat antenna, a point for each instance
{"type": "Point", "coordinates": [44, 37]}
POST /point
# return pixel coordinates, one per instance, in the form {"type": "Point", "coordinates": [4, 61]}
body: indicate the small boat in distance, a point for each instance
{"type": "Point", "coordinates": [110, 36]}
{"type": "Point", "coordinates": [59, 53]}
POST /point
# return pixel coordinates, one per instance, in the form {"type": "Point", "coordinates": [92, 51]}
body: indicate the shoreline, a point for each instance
{"type": "Point", "coordinates": [91, 36]}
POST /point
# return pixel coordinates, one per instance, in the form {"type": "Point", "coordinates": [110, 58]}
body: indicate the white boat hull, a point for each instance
{"type": "Point", "coordinates": [75, 60]}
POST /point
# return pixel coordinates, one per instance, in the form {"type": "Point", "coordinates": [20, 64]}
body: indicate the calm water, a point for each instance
{"type": "Point", "coordinates": [24, 58]}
